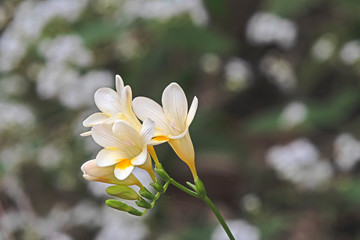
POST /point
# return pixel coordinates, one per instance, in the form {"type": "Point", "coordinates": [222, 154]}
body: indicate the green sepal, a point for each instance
{"type": "Point", "coordinates": [158, 187]}
{"type": "Point", "coordinates": [146, 193]}
{"type": "Point", "coordinates": [162, 173]}
{"type": "Point", "coordinates": [143, 203]}
{"type": "Point", "coordinates": [200, 188]}
{"type": "Point", "coordinates": [123, 207]}
{"type": "Point", "coordinates": [192, 186]}
{"type": "Point", "coordinates": [124, 192]}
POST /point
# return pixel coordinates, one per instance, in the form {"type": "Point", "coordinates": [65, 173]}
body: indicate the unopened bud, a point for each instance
{"type": "Point", "coordinates": [123, 207]}
{"type": "Point", "coordinates": [124, 192]}
{"type": "Point", "coordinates": [157, 186]}
{"type": "Point", "coordinates": [162, 173]}
{"type": "Point", "coordinates": [146, 193]}
{"type": "Point", "coordinates": [200, 188]}
{"type": "Point", "coordinates": [143, 203]}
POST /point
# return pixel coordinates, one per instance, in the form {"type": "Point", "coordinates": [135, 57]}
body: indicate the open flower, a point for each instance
{"type": "Point", "coordinates": [124, 146]}
{"type": "Point", "coordinates": [114, 105]}
{"type": "Point", "coordinates": [172, 121]}
{"type": "Point", "coordinates": [92, 172]}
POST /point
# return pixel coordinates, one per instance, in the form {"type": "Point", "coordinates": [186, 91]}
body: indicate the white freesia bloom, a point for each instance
{"type": "Point", "coordinates": [92, 172]}
{"type": "Point", "coordinates": [114, 105]}
{"type": "Point", "coordinates": [124, 146]}
{"type": "Point", "coordinates": [172, 120]}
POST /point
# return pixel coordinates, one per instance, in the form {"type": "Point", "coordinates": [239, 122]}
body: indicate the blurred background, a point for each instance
{"type": "Point", "coordinates": [277, 133]}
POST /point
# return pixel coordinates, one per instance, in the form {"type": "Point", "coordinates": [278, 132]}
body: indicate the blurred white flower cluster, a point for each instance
{"type": "Point", "coordinates": [26, 27]}
{"type": "Point", "coordinates": [300, 163]}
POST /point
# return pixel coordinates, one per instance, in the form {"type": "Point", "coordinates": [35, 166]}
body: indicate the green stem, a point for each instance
{"type": "Point", "coordinates": [185, 189]}
{"type": "Point", "coordinates": [219, 217]}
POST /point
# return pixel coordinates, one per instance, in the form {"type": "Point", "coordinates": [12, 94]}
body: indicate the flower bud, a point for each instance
{"type": "Point", "coordinates": [158, 187]}
{"type": "Point", "coordinates": [123, 192]}
{"type": "Point", "coordinates": [123, 207]}
{"type": "Point", "coordinates": [200, 188]}
{"type": "Point", "coordinates": [146, 193]}
{"type": "Point", "coordinates": [143, 203]}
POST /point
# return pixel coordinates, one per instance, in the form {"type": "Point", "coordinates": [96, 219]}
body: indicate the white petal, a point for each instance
{"type": "Point", "coordinates": [107, 157]}
{"type": "Point", "coordinates": [95, 118]}
{"type": "Point", "coordinates": [127, 133]}
{"type": "Point", "coordinates": [107, 100]}
{"type": "Point", "coordinates": [104, 136]}
{"type": "Point", "coordinates": [180, 135]}
{"type": "Point", "coordinates": [126, 106]}
{"type": "Point", "coordinates": [141, 158]}
{"type": "Point", "coordinates": [90, 168]}
{"type": "Point", "coordinates": [192, 111]}
{"type": "Point", "coordinates": [85, 134]}
{"type": "Point", "coordinates": [121, 172]}
{"type": "Point", "coordinates": [119, 84]}
{"type": "Point", "coordinates": [175, 105]}
{"type": "Point", "coordinates": [147, 130]}
{"type": "Point", "coordinates": [147, 108]}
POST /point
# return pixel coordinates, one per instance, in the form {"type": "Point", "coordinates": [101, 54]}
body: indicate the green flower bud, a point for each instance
{"type": "Point", "coordinates": [162, 173]}
{"type": "Point", "coordinates": [146, 193]}
{"type": "Point", "coordinates": [158, 187]}
{"type": "Point", "coordinates": [143, 203]}
{"type": "Point", "coordinates": [123, 207]}
{"type": "Point", "coordinates": [124, 192]}
{"type": "Point", "coordinates": [200, 188]}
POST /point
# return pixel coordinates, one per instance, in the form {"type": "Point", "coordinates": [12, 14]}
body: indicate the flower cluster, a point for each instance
{"type": "Point", "coordinates": [128, 142]}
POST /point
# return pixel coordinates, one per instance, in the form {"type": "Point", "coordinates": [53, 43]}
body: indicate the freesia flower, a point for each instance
{"type": "Point", "coordinates": [172, 121]}
{"type": "Point", "coordinates": [124, 146]}
{"type": "Point", "coordinates": [92, 172]}
{"type": "Point", "coordinates": [114, 105]}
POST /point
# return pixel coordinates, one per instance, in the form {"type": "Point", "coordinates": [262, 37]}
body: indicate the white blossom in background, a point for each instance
{"type": "Point", "coordinates": [50, 155]}
{"type": "Point", "coordinates": [128, 45]}
{"type": "Point", "coordinates": [165, 9]}
{"type": "Point", "coordinates": [241, 230]}
{"type": "Point", "coordinates": [346, 151]}
{"type": "Point", "coordinates": [125, 226]}
{"type": "Point", "coordinates": [324, 47]}
{"type": "Point", "coordinates": [26, 27]}
{"type": "Point", "coordinates": [51, 79]}
{"type": "Point", "coordinates": [76, 94]}
{"type": "Point", "coordinates": [65, 49]}
{"type": "Point", "coordinates": [266, 28]}
{"type": "Point", "coordinates": [300, 163]}
{"type": "Point", "coordinates": [210, 63]}
{"type": "Point", "coordinates": [280, 72]}
{"type": "Point", "coordinates": [238, 74]}
{"type": "Point", "coordinates": [15, 115]}
{"type": "Point", "coordinates": [293, 114]}
{"type": "Point", "coordinates": [251, 202]}
{"type": "Point", "coordinates": [350, 52]}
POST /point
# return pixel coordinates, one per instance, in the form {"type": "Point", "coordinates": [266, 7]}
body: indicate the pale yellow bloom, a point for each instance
{"type": "Point", "coordinates": [92, 172]}
{"type": "Point", "coordinates": [124, 146]}
{"type": "Point", "coordinates": [113, 105]}
{"type": "Point", "coordinates": [172, 121]}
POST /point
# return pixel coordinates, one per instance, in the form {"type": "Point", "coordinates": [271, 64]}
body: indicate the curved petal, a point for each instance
{"type": "Point", "coordinates": [85, 134]}
{"type": "Point", "coordinates": [91, 169]}
{"type": "Point", "coordinates": [108, 157]}
{"type": "Point", "coordinates": [123, 169]}
{"type": "Point", "coordinates": [192, 111]}
{"type": "Point", "coordinates": [126, 106]}
{"type": "Point", "coordinates": [180, 135]}
{"type": "Point", "coordinates": [141, 158]}
{"type": "Point", "coordinates": [127, 133]}
{"type": "Point", "coordinates": [147, 130]}
{"type": "Point", "coordinates": [107, 100]}
{"type": "Point", "coordinates": [119, 84]}
{"type": "Point", "coordinates": [184, 148]}
{"type": "Point", "coordinates": [95, 118]}
{"type": "Point", "coordinates": [104, 136]}
{"type": "Point", "coordinates": [175, 105]}
{"type": "Point", "coordinates": [147, 108]}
